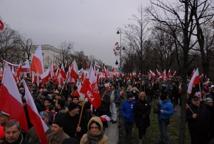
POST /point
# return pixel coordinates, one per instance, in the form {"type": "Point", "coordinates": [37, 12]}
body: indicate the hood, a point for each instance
{"type": "Point", "coordinates": [96, 119]}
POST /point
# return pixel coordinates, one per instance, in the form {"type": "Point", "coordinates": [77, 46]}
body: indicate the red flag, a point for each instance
{"type": "Point", "coordinates": [37, 62]}
{"type": "Point", "coordinates": [90, 89]}
{"type": "Point", "coordinates": [10, 98]}
{"type": "Point", "coordinates": [45, 76]}
{"type": "Point", "coordinates": [194, 80]}
{"type": "Point", "coordinates": [34, 116]}
{"type": "Point", "coordinates": [74, 71]}
{"type": "Point", "coordinates": [62, 72]}
{"type": "Point", "coordinates": [1, 26]}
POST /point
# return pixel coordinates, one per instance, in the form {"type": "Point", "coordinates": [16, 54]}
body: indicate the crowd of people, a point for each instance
{"type": "Point", "coordinates": [72, 120]}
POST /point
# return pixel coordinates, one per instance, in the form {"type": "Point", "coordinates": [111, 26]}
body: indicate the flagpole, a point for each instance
{"type": "Point", "coordinates": [63, 86]}
{"type": "Point", "coordinates": [80, 118]}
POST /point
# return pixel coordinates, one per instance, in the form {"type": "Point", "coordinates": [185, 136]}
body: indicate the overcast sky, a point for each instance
{"type": "Point", "coordinates": [90, 24]}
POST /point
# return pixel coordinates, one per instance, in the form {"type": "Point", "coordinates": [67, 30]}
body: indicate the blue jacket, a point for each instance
{"type": "Point", "coordinates": [167, 109]}
{"type": "Point", "coordinates": [127, 111]}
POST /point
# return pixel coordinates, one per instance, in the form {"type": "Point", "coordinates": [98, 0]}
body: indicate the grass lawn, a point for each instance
{"type": "Point", "coordinates": [152, 134]}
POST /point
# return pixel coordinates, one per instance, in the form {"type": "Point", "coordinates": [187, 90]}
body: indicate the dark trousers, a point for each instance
{"type": "Point", "coordinates": [163, 124]}
{"type": "Point", "coordinates": [128, 128]}
{"type": "Point", "coordinates": [141, 132]}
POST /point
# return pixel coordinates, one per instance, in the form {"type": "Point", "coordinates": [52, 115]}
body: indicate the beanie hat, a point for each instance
{"type": "Point", "coordinates": [58, 120]}
{"type": "Point", "coordinates": [73, 106]}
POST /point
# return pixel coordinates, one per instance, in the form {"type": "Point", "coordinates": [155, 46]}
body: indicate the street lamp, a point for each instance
{"type": "Point", "coordinates": [120, 46]}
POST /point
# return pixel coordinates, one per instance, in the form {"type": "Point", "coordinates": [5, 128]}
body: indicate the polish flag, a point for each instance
{"type": "Point", "coordinates": [1, 25]}
{"type": "Point", "coordinates": [45, 76]}
{"type": "Point", "coordinates": [74, 71]}
{"type": "Point", "coordinates": [37, 65]}
{"type": "Point", "coordinates": [194, 81]}
{"type": "Point", "coordinates": [90, 89]}
{"type": "Point", "coordinates": [10, 98]}
{"type": "Point", "coordinates": [34, 116]}
{"type": "Point", "coordinates": [105, 118]}
{"type": "Point", "coordinates": [62, 72]}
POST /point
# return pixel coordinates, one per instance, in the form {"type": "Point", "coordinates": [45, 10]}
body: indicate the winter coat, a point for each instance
{"type": "Point", "coordinates": [141, 113]}
{"type": "Point", "coordinates": [22, 140]}
{"type": "Point", "coordinates": [69, 124]}
{"type": "Point", "coordinates": [166, 109]}
{"type": "Point", "coordinates": [199, 127]}
{"type": "Point", "coordinates": [127, 111]}
{"type": "Point", "coordinates": [102, 140]}
{"type": "Point", "coordinates": [57, 138]}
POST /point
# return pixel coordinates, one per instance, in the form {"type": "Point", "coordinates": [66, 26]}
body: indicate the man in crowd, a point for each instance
{"type": "Point", "coordinates": [13, 133]}
{"type": "Point", "coordinates": [57, 135]}
{"type": "Point", "coordinates": [127, 111]}
{"type": "Point", "coordinates": [198, 118]}
{"type": "Point", "coordinates": [70, 121]}
{"type": "Point", "coordinates": [4, 117]}
{"type": "Point", "coordinates": [165, 111]}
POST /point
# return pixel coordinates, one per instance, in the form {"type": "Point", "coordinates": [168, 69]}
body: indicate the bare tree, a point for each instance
{"type": "Point", "coordinates": [135, 36]}
{"type": "Point", "coordinates": [203, 14]}
{"type": "Point", "coordinates": [178, 19]}
{"type": "Point", "coordinates": [65, 57]}
{"type": "Point", "coordinates": [10, 49]}
{"type": "Point", "coordinates": [164, 45]}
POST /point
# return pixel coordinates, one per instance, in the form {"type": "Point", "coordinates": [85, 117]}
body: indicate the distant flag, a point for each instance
{"type": "Point", "coordinates": [194, 81]}
{"type": "Point", "coordinates": [74, 71]}
{"type": "Point", "coordinates": [37, 65]}
{"type": "Point", "coordinates": [45, 76]}
{"type": "Point", "coordinates": [1, 25]}
{"type": "Point", "coordinates": [90, 89]}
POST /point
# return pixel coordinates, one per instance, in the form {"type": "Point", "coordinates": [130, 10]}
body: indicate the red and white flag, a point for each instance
{"type": "Point", "coordinates": [74, 71]}
{"type": "Point", "coordinates": [194, 81]}
{"type": "Point", "coordinates": [1, 26]}
{"type": "Point", "coordinates": [90, 89]}
{"type": "Point", "coordinates": [37, 65]}
{"type": "Point", "coordinates": [45, 76]}
{"type": "Point", "coordinates": [34, 116]}
{"type": "Point", "coordinates": [10, 98]}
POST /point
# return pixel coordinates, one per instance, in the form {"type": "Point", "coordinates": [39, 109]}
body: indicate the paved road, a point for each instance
{"type": "Point", "coordinates": [112, 133]}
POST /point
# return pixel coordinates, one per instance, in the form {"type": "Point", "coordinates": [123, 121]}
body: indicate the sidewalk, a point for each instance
{"type": "Point", "coordinates": [112, 133]}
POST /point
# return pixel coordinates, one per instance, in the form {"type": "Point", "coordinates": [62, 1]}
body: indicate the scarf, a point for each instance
{"type": "Point", "coordinates": [94, 139]}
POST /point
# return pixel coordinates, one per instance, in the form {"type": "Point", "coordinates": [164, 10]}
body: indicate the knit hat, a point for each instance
{"type": "Point", "coordinates": [58, 120]}
{"type": "Point", "coordinates": [73, 106]}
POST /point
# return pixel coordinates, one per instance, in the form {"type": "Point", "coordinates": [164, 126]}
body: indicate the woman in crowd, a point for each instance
{"type": "Point", "coordinates": [95, 134]}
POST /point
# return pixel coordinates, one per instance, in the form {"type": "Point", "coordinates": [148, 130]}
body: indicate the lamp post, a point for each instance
{"type": "Point", "coordinates": [120, 52]}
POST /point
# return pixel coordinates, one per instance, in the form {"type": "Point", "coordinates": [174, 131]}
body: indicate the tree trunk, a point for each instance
{"type": "Point", "coordinates": [184, 76]}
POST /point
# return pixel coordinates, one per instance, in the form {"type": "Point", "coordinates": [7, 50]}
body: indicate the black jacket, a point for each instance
{"type": "Point", "coordinates": [199, 127]}
{"type": "Point", "coordinates": [69, 124]}
{"type": "Point", "coordinates": [141, 113]}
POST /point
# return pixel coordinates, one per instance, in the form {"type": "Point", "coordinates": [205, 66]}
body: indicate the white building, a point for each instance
{"type": "Point", "coordinates": [49, 53]}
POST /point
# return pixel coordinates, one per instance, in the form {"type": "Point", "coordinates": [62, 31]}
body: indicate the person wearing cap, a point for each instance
{"type": "Point", "coordinates": [127, 112]}
{"type": "Point", "coordinates": [70, 120]}
{"type": "Point", "coordinates": [57, 134]}
{"type": "Point", "coordinates": [95, 134]}
{"type": "Point", "coordinates": [165, 112]}
{"type": "Point", "coordinates": [198, 119]}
